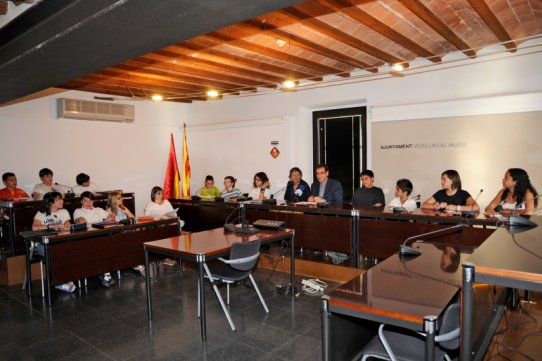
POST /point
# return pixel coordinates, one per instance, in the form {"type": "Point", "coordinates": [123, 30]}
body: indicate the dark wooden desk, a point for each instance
{"type": "Point", "coordinates": [405, 292]}
{"type": "Point", "coordinates": [204, 246]}
{"type": "Point", "coordinates": [369, 231]}
{"type": "Point", "coordinates": [21, 216]}
{"type": "Point", "coordinates": [72, 256]}
{"type": "Point", "coordinates": [506, 259]}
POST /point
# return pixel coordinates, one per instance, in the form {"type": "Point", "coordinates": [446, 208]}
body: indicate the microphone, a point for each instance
{"type": "Point", "coordinates": [416, 198]}
{"type": "Point", "coordinates": [471, 213]}
{"type": "Point", "coordinates": [405, 250]}
{"type": "Point", "coordinates": [70, 189]}
{"type": "Point", "coordinates": [278, 192]}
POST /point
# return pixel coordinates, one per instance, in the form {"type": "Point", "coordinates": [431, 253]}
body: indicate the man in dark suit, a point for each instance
{"type": "Point", "coordinates": [326, 189]}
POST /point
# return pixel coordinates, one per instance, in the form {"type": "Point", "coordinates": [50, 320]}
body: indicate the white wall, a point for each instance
{"type": "Point", "coordinates": [494, 84]}
{"type": "Point", "coordinates": [127, 156]}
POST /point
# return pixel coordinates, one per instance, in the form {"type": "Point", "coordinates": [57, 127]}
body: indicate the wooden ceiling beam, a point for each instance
{"type": "Point", "coordinates": [195, 45]}
{"type": "Point", "coordinates": [184, 55]}
{"type": "Point", "coordinates": [425, 14]}
{"type": "Point", "coordinates": [334, 33]}
{"type": "Point", "coordinates": [157, 61]}
{"type": "Point", "coordinates": [116, 76]}
{"type": "Point", "coordinates": [483, 10]}
{"type": "Point", "coordinates": [100, 79]}
{"type": "Point", "coordinates": [167, 75]}
{"type": "Point", "coordinates": [275, 54]}
{"type": "Point", "coordinates": [349, 9]}
{"type": "Point", "coordinates": [255, 27]}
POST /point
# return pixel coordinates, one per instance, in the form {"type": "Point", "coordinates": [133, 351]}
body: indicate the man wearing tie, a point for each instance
{"type": "Point", "coordinates": [326, 189]}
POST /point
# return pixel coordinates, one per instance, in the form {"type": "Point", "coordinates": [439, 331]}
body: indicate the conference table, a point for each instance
{"type": "Point", "coordinates": [369, 231]}
{"type": "Point", "coordinates": [72, 256]}
{"type": "Point", "coordinates": [201, 247]}
{"type": "Point", "coordinates": [408, 292]}
{"type": "Point", "coordinates": [511, 257]}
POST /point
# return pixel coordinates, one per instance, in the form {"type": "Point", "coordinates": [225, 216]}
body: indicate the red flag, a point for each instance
{"type": "Point", "coordinates": [186, 169]}
{"type": "Point", "coordinates": [171, 183]}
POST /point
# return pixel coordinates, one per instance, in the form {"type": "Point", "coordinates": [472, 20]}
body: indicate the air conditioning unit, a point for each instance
{"type": "Point", "coordinates": [91, 110]}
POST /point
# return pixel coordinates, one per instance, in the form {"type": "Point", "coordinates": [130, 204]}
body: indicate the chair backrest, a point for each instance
{"type": "Point", "coordinates": [243, 250]}
{"type": "Point", "coordinates": [450, 322]}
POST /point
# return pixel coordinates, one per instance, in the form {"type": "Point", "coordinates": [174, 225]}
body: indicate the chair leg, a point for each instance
{"type": "Point", "coordinates": [219, 296]}
{"type": "Point", "coordinates": [79, 284]}
{"type": "Point", "coordinates": [228, 294]}
{"type": "Point", "coordinates": [118, 274]}
{"type": "Point", "coordinates": [42, 281]}
{"type": "Point", "coordinates": [199, 301]}
{"type": "Point", "coordinates": [258, 292]}
{"type": "Point", "coordinates": [86, 283]}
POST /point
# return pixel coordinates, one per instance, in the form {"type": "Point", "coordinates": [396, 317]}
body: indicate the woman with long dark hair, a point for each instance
{"type": "Point", "coordinates": [261, 187]}
{"type": "Point", "coordinates": [517, 195]}
{"type": "Point", "coordinates": [451, 197]}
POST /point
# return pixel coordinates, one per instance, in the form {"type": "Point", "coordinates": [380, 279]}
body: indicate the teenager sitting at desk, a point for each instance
{"type": "Point", "coordinates": [84, 184]}
{"type": "Point", "coordinates": [11, 190]}
{"type": "Point", "coordinates": [90, 214]}
{"type": "Point", "coordinates": [368, 195]}
{"type": "Point", "coordinates": [261, 187]}
{"type": "Point", "coordinates": [451, 197]}
{"type": "Point", "coordinates": [517, 195]}
{"type": "Point", "coordinates": [158, 206]}
{"type": "Point", "coordinates": [53, 216]}
{"type": "Point", "coordinates": [326, 189]}
{"type": "Point", "coordinates": [402, 199]}
{"type": "Point", "coordinates": [297, 190]}
{"type": "Point", "coordinates": [209, 189]}
{"type": "Point", "coordinates": [46, 185]}
{"type": "Point", "coordinates": [229, 188]}
{"type": "Point", "coordinates": [116, 208]}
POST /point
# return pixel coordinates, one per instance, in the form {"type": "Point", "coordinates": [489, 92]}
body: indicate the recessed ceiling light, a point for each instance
{"type": "Point", "coordinates": [157, 97]}
{"type": "Point", "coordinates": [212, 94]}
{"type": "Point", "coordinates": [280, 42]}
{"type": "Point", "coordinates": [289, 84]}
{"type": "Point", "coordinates": [398, 67]}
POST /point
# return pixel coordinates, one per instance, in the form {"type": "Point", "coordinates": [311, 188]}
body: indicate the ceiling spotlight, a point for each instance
{"type": "Point", "coordinates": [213, 94]}
{"type": "Point", "coordinates": [289, 84]}
{"type": "Point", "coordinates": [398, 67]}
{"type": "Point", "coordinates": [157, 97]}
{"type": "Point", "coordinates": [280, 42]}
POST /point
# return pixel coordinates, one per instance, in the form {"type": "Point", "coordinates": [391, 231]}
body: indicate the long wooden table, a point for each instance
{"type": "Point", "coordinates": [406, 292]}
{"type": "Point", "coordinates": [201, 247]}
{"type": "Point", "coordinates": [73, 256]}
{"type": "Point", "coordinates": [511, 258]}
{"type": "Point", "coordinates": [21, 216]}
{"type": "Point", "coordinates": [368, 232]}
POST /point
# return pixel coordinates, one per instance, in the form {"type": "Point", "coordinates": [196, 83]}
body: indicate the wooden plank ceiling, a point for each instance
{"type": "Point", "coordinates": [317, 39]}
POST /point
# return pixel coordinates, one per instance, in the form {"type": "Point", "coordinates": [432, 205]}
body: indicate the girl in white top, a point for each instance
{"type": "Point", "coordinates": [158, 206]}
{"type": "Point", "coordinates": [402, 192]}
{"type": "Point", "coordinates": [116, 208]}
{"type": "Point", "coordinates": [53, 216]}
{"type": "Point", "coordinates": [517, 196]}
{"type": "Point", "coordinates": [261, 188]}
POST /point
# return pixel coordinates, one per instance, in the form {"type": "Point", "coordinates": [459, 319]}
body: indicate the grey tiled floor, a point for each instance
{"type": "Point", "coordinates": [111, 324]}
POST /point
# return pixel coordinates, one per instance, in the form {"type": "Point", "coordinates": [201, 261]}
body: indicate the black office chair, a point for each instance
{"type": "Point", "coordinates": [243, 258]}
{"type": "Point", "coordinates": [406, 345]}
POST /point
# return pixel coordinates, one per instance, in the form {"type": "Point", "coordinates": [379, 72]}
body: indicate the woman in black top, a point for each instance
{"type": "Point", "coordinates": [297, 190]}
{"type": "Point", "coordinates": [451, 197]}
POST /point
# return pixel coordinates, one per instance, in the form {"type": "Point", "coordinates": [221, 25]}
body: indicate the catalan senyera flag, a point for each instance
{"type": "Point", "coordinates": [172, 188]}
{"type": "Point", "coordinates": [186, 169]}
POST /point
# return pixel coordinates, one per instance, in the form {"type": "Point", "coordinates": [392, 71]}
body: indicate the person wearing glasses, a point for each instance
{"type": "Point", "coordinates": [53, 216]}
{"type": "Point", "coordinates": [326, 189]}
{"type": "Point", "coordinates": [297, 190]}
{"type": "Point", "coordinates": [261, 187]}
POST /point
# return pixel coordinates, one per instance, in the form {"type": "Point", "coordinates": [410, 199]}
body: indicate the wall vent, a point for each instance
{"type": "Point", "coordinates": [91, 110]}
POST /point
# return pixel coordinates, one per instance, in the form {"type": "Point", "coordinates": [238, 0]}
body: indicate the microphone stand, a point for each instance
{"type": "Point", "coordinates": [405, 250]}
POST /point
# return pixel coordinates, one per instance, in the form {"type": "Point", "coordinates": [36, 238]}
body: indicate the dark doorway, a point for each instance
{"type": "Point", "coordinates": [339, 140]}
